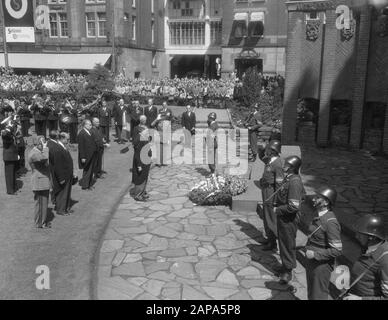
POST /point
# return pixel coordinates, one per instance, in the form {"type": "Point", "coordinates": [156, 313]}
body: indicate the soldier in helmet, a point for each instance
{"type": "Point", "coordinates": [288, 211]}
{"type": "Point", "coordinates": [273, 177]}
{"type": "Point", "coordinates": [369, 275]}
{"type": "Point", "coordinates": [211, 141]}
{"type": "Point", "coordinates": [324, 245]}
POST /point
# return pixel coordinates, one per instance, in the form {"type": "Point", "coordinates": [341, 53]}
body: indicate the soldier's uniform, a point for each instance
{"type": "Point", "coordinates": [374, 284]}
{"type": "Point", "coordinates": [25, 116]}
{"type": "Point", "coordinates": [288, 203]}
{"type": "Point", "coordinates": [53, 118]}
{"type": "Point", "coordinates": [325, 242]}
{"type": "Point", "coordinates": [272, 179]}
{"type": "Point", "coordinates": [40, 117]}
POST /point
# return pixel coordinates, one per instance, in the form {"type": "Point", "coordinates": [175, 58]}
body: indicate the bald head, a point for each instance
{"type": "Point", "coordinates": [96, 122]}
{"type": "Point", "coordinates": [143, 120]}
{"type": "Point", "coordinates": [87, 124]}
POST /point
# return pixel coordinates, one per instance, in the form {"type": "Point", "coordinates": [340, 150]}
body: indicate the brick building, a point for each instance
{"type": "Point", "coordinates": [254, 34]}
{"type": "Point", "coordinates": [337, 58]}
{"type": "Point", "coordinates": [81, 33]}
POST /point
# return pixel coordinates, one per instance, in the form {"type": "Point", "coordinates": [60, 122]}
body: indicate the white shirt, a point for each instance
{"type": "Point", "coordinates": [322, 213]}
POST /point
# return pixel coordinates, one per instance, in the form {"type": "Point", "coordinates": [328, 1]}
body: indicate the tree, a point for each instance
{"type": "Point", "coordinates": [99, 80]}
{"type": "Point", "coordinates": [251, 87]}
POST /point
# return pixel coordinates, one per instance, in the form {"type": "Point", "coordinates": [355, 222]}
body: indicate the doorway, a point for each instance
{"type": "Point", "coordinates": [242, 65]}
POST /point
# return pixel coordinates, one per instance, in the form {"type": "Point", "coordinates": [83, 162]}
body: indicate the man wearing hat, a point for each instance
{"type": "Point", "coordinates": [324, 245]}
{"type": "Point", "coordinates": [287, 210]}
{"type": "Point", "coordinates": [38, 159]}
{"type": "Point", "coordinates": [369, 275]}
{"type": "Point", "coordinates": [272, 179]}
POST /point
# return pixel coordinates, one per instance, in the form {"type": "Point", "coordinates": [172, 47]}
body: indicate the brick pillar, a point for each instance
{"type": "Point", "coordinates": [328, 77]}
{"type": "Point", "coordinates": [76, 12]}
{"type": "Point", "coordinates": [293, 76]}
{"type": "Point", "coordinates": [385, 137]}
{"type": "Point", "coordinates": [359, 79]}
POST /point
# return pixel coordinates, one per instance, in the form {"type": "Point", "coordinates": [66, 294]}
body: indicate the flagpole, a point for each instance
{"type": "Point", "coordinates": [4, 35]}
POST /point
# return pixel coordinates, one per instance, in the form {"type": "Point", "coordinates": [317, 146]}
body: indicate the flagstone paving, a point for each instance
{"type": "Point", "coordinates": [169, 248]}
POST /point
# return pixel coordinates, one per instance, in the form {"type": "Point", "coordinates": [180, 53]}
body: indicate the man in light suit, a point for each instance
{"type": "Point", "coordinates": [119, 113]}
{"type": "Point", "coordinates": [87, 155]}
{"type": "Point", "coordinates": [38, 160]}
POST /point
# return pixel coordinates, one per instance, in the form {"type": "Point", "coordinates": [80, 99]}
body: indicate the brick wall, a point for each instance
{"type": "Point", "coordinates": [359, 83]}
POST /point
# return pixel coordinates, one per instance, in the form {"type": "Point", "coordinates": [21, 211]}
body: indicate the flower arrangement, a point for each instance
{"type": "Point", "coordinates": [217, 191]}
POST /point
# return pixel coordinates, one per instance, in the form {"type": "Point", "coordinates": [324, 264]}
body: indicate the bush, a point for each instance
{"type": "Point", "coordinates": [99, 80]}
{"type": "Point", "coordinates": [251, 87]}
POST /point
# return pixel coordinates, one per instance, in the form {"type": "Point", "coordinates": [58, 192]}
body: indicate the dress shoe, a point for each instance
{"type": "Point", "coordinates": [285, 278]}
{"type": "Point", "coordinates": [70, 211]}
{"type": "Point", "coordinates": [140, 199]}
{"type": "Point", "coordinates": [263, 242]}
{"type": "Point", "coordinates": [63, 214]}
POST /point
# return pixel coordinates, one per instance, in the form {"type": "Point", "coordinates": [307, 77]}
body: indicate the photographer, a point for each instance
{"type": "Point", "coordinates": [10, 156]}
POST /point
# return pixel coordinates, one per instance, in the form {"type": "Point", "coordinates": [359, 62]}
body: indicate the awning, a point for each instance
{"type": "Point", "coordinates": [241, 16]}
{"type": "Point", "coordinates": [257, 16]}
{"type": "Point", "coordinates": [55, 61]}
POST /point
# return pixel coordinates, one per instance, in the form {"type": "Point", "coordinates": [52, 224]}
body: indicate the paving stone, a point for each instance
{"type": "Point", "coordinates": [162, 275]}
{"type": "Point", "coordinates": [196, 229]}
{"type": "Point", "coordinates": [241, 296]}
{"type": "Point", "coordinates": [228, 244]}
{"type": "Point", "coordinates": [200, 222]}
{"type": "Point", "coordinates": [150, 255]}
{"type": "Point", "coordinates": [217, 230]}
{"type": "Point", "coordinates": [165, 232]}
{"type": "Point", "coordinates": [147, 297]}
{"type": "Point", "coordinates": [130, 269]}
{"type": "Point", "coordinates": [145, 238]}
{"type": "Point", "coordinates": [118, 259]}
{"type": "Point", "coordinates": [191, 251]}
{"type": "Point", "coordinates": [106, 258]}
{"type": "Point", "coordinates": [187, 236]}
{"type": "Point", "coordinates": [172, 293]}
{"type": "Point", "coordinates": [104, 272]}
{"type": "Point", "coordinates": [130, 258]}
{"type": "Point", "coordinates": [158, 215]}
{"type": "Point", "coordinates": [209, 269]}
{"type": "Point", "coordinates": [175, 226]}
{"type": "Point", "coordinates": [190, 293]}
{"type": "Point", "coordinates": [153, 287]}
{"type": "Point", "coordinates": [206, 251]}
{"type": "Point", "coordinates": [189, 259]}
{"type": "Point", "coordinates": [250, 273]}
{"type": "Point", "coordinates": [183, 213]}
{"type": "Point", "coordinates": [239, 260]}
{"type": "Point", "coordinates": [260, 293]}
{"type": "Point", "coordinates": [138, 281]}
{"type": "Point", "coordinates": [219, 293]}
{"type": "Point", "coordinates": [132, 230]}
{"type": "Point", "coordinates": [161, 208]}
{"type": "Point", "coordinates": [111, 245]}
{"type": "Point", "coordinates": [184, 270]}
{"type": "Point", "coordinates": [117, 289]}
{"type": "Point", "coordinates": [224, 254]}
{"type": "Point", "coordinates": [178, 200]}
{"type": "Point", "coordinates": [227, 277]}
{"type": "Point", "coordinates": [157, 266]}
{"type": "Point", "coordinates": [173, 253]}
{"type": "Point", "coordinates": [112, 235]}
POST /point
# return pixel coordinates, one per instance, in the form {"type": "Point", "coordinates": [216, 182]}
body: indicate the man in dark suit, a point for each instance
{"type": "Point", "coordinates": [87, 155]}
{"type": "Point", "coordinates": [53, 117]}
{"type": "Point", "coordinates": [100, 142]}
{"type": "Point", "coordinates": [104, 114]}
{"type": "Point", "coordinates": [53, 145]}
{"type": "Point", "coordinates": [10, 158]}
{"type": "Point", "coordinates": [136, 112]}
{"type": "Point", "coordinates": [189, 122]}
{"type": "Point", "coordinates": [62, 175]}
{"type": "Point", "coordinates": [25, 115]}
{"type": "Point", "coordinates": [151, 112]}
{"type": "Point", "coordinates": [118, 114]}
{"type": "Point", "coordinates": [40, 112]}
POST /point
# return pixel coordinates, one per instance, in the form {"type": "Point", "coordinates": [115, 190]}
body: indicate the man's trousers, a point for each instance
{"type": "Point", "coordinates": [87, 176]}
{"type": "Point", "coordinates": [318, 275]}
{"type": "Point", "coordinates": [10, 176]}
{"type": "Point", "coordinates": [41, 205]}
{"type": "Point", "coordinates": [287, 229]}
{"type": "Point", "coordinates": [63, 198]}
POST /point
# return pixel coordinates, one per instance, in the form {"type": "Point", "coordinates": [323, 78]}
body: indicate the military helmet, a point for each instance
{"type": "Point", "coordinates": [328, 193]}
{"type": "Point", "coordinates": [294, 162]}
{"type": "Point", "coordinates": [276, 146]}
{"type": "Point", "coordinates": [213, 116]}
{"type": "Point", "coordinates": [371, 225]}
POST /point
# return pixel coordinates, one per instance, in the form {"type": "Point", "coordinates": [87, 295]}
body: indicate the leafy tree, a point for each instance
{"type": "Point", "coordinates": [251, 87]}
{"type": "Point", "coordinates": [99, 80]}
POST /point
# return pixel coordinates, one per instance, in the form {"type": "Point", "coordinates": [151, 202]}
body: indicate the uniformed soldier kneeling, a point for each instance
{"type": "Point", "coordinates": [369, 275]}
{"type": "Point", "coordinates": [288, 212]}
{"type": "Point", "coordinates": [323, 246]}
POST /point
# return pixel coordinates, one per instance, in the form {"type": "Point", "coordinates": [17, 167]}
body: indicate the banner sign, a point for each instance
{"type": "Point", "coordinates": [19, 20]}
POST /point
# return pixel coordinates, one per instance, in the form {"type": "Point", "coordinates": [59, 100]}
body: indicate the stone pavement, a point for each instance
{"type": "Point", "coordinates": [170, 249]}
